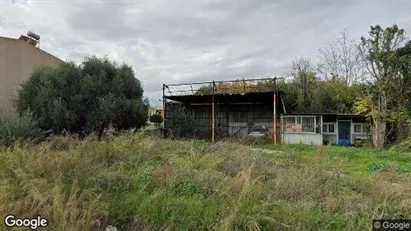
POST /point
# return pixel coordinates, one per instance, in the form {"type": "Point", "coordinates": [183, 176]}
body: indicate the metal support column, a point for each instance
{"type": "Point", "coordinates": [227, 119]}
{"type": "Point", "coordinates": [164, 112]}
{"type": "Point", "coordinates": [275, 111]}
{"type": "Point", "coordinates": [213, 115]}
{"type": "Point", "coordinates": [281, 130]}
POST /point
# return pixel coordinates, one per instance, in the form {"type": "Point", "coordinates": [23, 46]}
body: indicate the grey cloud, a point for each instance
{"type": "Point", "coordinates": [181, 22]}
{"type": "Point", "coordinates": [184, 41]}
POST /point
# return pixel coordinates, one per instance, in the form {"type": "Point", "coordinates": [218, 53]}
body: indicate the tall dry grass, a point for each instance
{"type": "Point", "coordinates": [140, 182]}
{"type": "Point", "coordinates": [33, 183]}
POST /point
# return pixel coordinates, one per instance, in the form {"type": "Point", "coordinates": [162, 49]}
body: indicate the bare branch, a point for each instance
{"type": "Point", "coordinates": [342, 58]}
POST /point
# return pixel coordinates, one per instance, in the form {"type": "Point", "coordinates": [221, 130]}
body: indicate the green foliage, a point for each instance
{"type": "Point", "coordinates": [185, 187]}
{"type": "Point", "coordinates": [183, 122]}
{"type": "Point", "coordinates": [365, 106]}
{"type": "Point", "coordinates": [387, 59]}
{"type": "Point", "coordinates": [291, 93]}
{"type": "Point", "coordinates": [376, 167]}
{"type": "Point", "coordinates": [84, 98]}
{"type": "Point", "coordinates": [404, 146]}
{"type": "Point", "coordinates": [23, 127]}
{"type": "Point", "coordinates": [238, 86]}
{"type": "Point", "coordinates": [205, 90]}
{"type": "Point", "coordinates": [306, 82]}
{"type": "Point", "coordinates": [321, 96]}
{"type": "Point", "coordinates": [156, 118]}
{"type": "Point", "coordinates": [336, 96]}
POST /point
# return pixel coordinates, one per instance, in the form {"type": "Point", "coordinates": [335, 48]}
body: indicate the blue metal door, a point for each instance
{"type": "Point", "coordinates": [344, 132]}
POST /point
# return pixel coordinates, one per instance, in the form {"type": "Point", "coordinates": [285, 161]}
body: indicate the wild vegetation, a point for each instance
{"type": "Point", "coordinates": [24, 127]}
{"type": "Point", "coordinates": [141, 182]}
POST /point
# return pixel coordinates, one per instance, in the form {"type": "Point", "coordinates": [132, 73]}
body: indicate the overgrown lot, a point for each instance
{"type": "Point", "coordinates": [143, 182]}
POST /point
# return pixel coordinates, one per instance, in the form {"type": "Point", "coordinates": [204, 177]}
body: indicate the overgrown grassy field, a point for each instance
{"type": "Point", "coordinates": [143, 182]}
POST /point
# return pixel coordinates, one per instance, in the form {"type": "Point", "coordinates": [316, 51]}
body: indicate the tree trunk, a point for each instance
{"type": "Point", "coordinates": [383, 128]}
{"type": "Point", "coordinates": [375, 132]}
{"type": "Point", "coordinates": [380, 122]}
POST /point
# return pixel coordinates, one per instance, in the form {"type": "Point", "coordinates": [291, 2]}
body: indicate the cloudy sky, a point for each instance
{"type": "Point", "coordinates": [186, 41]}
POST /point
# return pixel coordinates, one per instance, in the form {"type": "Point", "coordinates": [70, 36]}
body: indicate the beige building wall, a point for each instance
{"type": "Point", "coordinates": [18, 60]}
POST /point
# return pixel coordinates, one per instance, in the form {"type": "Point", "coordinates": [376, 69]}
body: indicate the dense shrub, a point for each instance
{"type": "Point", "coordinates": [405, 146]}
{"type": "Point", "coordinates": [23, 127]}
{"type": "Point", "coordinates": [84, 98]}
{"type": "Point", "coordinates": [183, 122]}
{"type": "Point", "coordinates": [156, 118]}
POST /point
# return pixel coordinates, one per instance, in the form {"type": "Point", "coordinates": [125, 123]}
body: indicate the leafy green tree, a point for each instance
{"type": "Point", "coordinates": [290, 95]}
{"type": "Point", "coordinates": [379, 52]}
{"type": "Point", "coordinates": [403, 103]}
{"type": "Point", "coordinates": [86, 98]}
{"type": "Point", "coordinates": [306, 81]}
{"type": "Point", "coordinates": [156, 118]}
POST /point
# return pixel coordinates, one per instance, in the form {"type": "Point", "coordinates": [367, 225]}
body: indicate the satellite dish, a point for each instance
{"type": "Point", "coordinates": [33, 35]}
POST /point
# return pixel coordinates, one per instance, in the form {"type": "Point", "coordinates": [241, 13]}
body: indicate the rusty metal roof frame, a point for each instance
{"type": "Point", "coordinates": [225, 81]}
{"type": "Point", "coordinates": [248, 94]}
{"type": "Point", "coordinates": [249, 97]}
{"type": "Point", "coordinates": [173, 89]}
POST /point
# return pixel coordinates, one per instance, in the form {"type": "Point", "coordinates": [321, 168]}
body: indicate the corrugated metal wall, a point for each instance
{"type": "Point", "coordinates": [303, 138]}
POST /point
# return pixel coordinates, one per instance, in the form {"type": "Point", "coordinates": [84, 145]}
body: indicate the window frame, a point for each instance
{"type": "Point", "coordinates": [299, 118]}
{"type": "Point", "coordinates": [354, 130]}
{"type": "Point", "coordinates": [363, 130]}
{"type": "Point", "coordinates": [327, 126]}
{"type": "Point", "coordinates": [313, 126]}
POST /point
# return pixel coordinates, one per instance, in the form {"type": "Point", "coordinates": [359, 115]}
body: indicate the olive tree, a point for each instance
{"type": "Point", "coordinates": [85, 98]}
